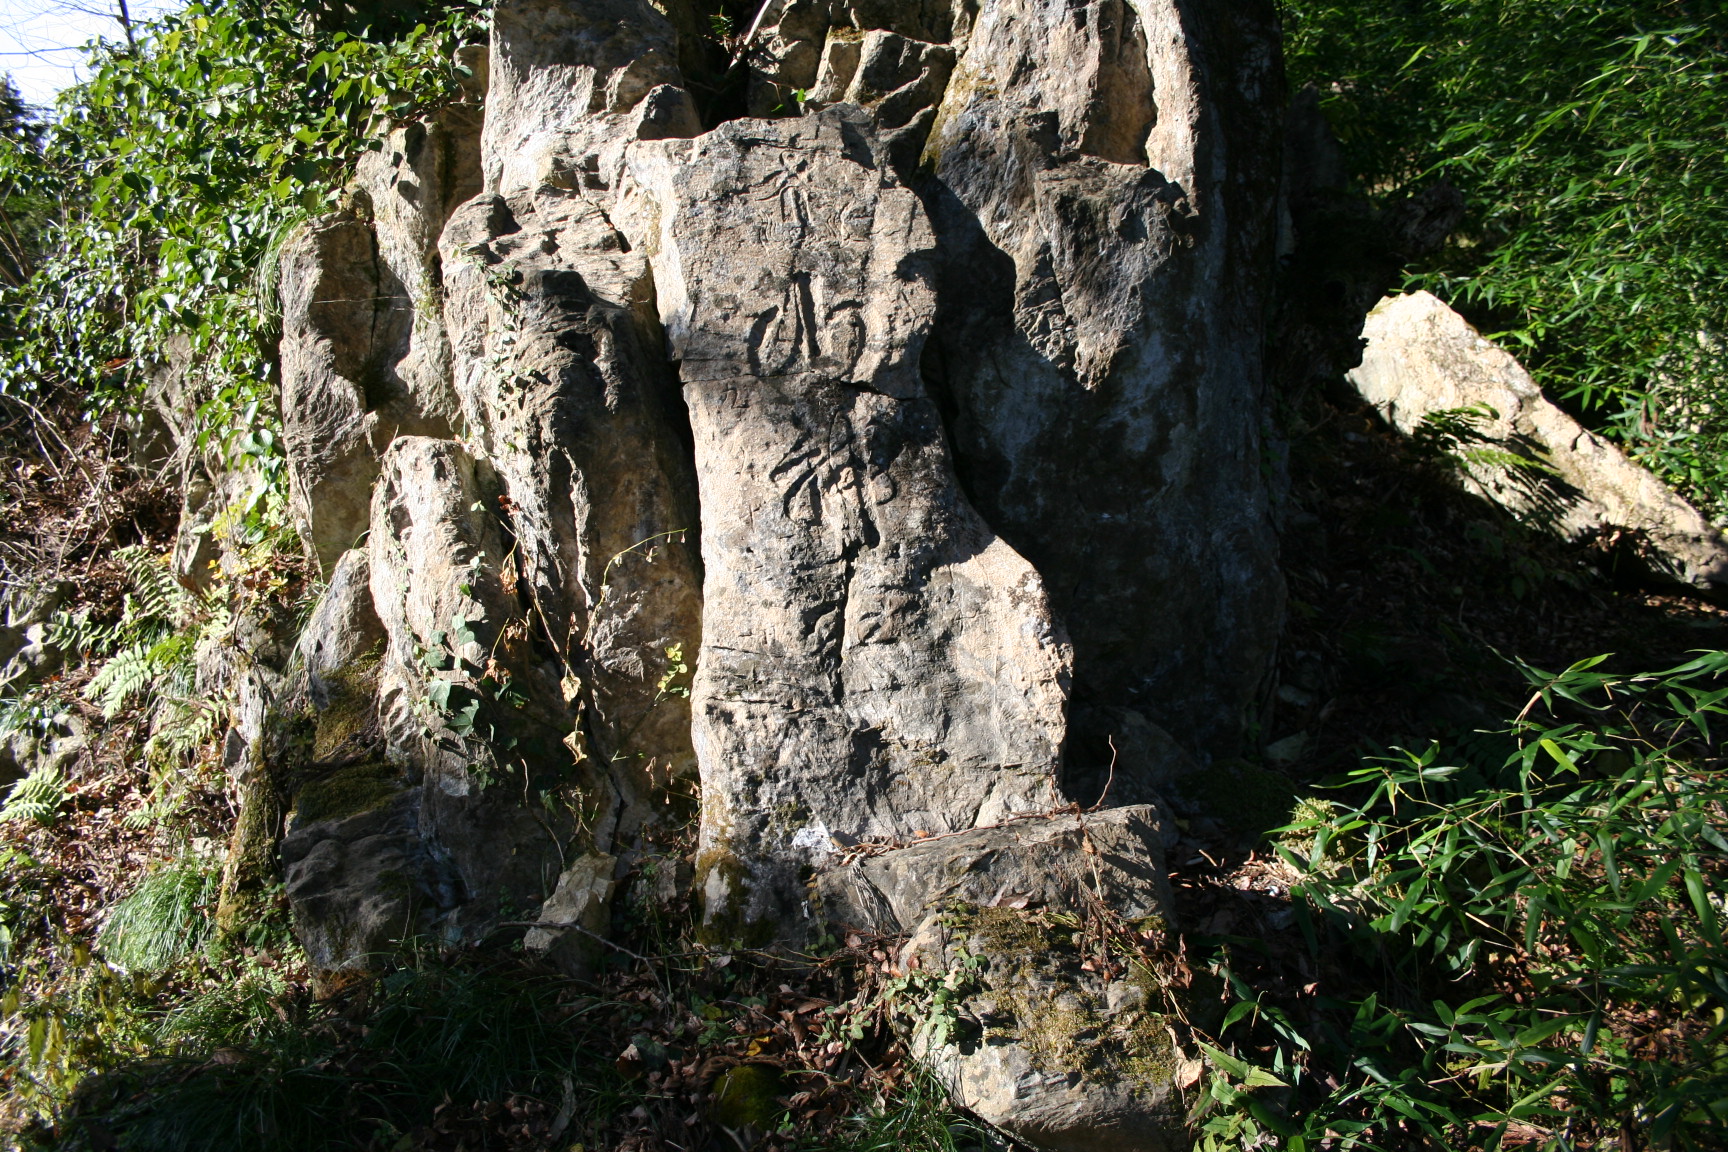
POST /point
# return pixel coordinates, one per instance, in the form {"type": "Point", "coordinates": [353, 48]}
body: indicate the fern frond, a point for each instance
{"type": "Point", "coordinates": [182, 725]}
{"type": "Point", "coordinates": [157, 595]}
{"type": "Point", "coordinates": [74, 632]}
{"type": "Point", "coordinates": [36, 797]}
{"type": "Point", "coordinates": [126, 674]}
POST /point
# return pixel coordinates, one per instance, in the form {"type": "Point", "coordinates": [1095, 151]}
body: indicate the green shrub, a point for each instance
{"type": "Point", "coordinates": [1589, 137]}
{"type": "Point", "coordinates": [172, 168]}
{"type": "Point", "coordinates": [1541, 933]}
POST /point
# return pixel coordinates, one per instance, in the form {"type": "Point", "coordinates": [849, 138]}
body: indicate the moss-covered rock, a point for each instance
{"type": "Point", "coordinates": [350, 706]}
{"type": "Point", "coordinates": [721, 880]}
{"type": "Point", "coordinates": [347, 791]}
{"type": "Point", "coordinates": [1043, 1043]}
{"type": "Point", "coordinates": [1067, 1019]}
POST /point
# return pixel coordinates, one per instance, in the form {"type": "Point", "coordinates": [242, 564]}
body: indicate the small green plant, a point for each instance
{"type": "Point", "coordinates": [917, 1117]}
{"type": "Point", "coordinates": [165, 920]}
{"type": "Point", "coordinates": [674, 682]}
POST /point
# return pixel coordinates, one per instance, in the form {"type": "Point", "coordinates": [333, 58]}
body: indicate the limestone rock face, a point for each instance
{"type": "Point", "coordinates": [863, 405]}
{"type": "Point", "coordinates": [344, 630]}
{"type": "Point", "coordinates": [875, 661]}
{"type": "Point", "coordinates": [1426, 369]}
{"type": "Point", "coordinates": [559, 367]}
{"type": "Point", "coordinates": [466, 702]}
{"type": "Point", "coordinates": [1104, 180]}
{"type": "Point", "coordinates": [571, 85]}
{"type": "Point", "coordinates": [1039, 862]}
{"type": "Point", "coordinates": [364, 357]}
{"type": "Point", "coordinates": [411, 186]}
{"type": "Point", "coordinates": [327, 361]}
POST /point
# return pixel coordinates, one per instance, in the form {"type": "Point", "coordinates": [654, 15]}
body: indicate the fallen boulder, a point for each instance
{"type": "Point", "coordinates": [1043, 1028]}
{"type": "Point", "coordinates": [1433, 376]}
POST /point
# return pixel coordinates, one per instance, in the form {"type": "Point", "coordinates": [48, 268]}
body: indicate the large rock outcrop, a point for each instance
{"type": "Point", "coordinates": [876, 661]}
{"type": "Point", "coordinates": [364, 356]}
{"type": "Point", "coordinates": [921, 406]}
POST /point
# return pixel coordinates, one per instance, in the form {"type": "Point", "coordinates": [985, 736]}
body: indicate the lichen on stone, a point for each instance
{"type": "Point", "coordinates": [1037, 995]}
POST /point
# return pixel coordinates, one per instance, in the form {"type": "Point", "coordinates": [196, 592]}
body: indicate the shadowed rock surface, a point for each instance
{"type": "Point", "coordinates": [1104, 180]}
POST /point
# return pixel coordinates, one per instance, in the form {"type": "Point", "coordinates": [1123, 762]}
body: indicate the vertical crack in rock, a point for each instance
{"type": "Point", "coordinates": [363, 353]}
{"type": "Point", "coordinates": [875, 661]}
{"type": "Point", "coordinates": [559, 365]}
{"type": "Point", "coordinates": [1103, 176]}
{"type": "Point", "coordinates": [452, 623]}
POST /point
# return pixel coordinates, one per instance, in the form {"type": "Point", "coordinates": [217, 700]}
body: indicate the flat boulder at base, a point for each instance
{"type": "Point", "coordinates": [1036, 1020]}
{"type": "Point", "coordinates": [1433, 376]}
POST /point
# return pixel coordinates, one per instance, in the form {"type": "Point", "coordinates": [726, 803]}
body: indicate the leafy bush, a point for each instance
{"type": "Point", "coordinates": [1588, 137]}
{"type": "Point", "coordinates": [1543, 928]}
{"type": "Point", "coordinates": [173, 168]}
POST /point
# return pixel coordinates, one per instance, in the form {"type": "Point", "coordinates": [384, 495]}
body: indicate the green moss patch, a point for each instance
{"type": "Point", "coordinates": [352, 708]}
{"type": "Point", "coordinates": [347, 791]}
{"type": "Point", "coordinates": [1037, 995]}
{"type": "Point", "coordinates": [749, 1096]}
{"type": "Point", "coordinates": [723, 924]}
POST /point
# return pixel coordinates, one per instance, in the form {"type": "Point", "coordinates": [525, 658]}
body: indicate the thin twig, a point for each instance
{"type": "Point", "coordinates": [1111, 779]}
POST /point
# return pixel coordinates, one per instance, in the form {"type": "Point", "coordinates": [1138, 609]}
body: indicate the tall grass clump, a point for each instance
{"type": "Point", "coordinates": [165, 920]}
{"type": "Point", "coordinates": [249, 1065]}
